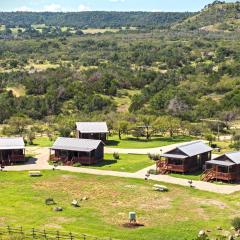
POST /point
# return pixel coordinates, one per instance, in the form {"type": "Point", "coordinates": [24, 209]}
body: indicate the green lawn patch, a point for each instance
{"type": "Point", "coordinates": [126, 163]}
{"type": "Point", "coordinates": [131, 142]}
{"type": "Point", "coordinates": [177, 214]}
{"type": "Point", "coordinates": [43, 142]}
{"type": "Point", "coordinates": [193, 176]}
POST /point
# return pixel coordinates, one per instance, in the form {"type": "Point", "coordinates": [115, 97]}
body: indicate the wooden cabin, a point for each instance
{"type": "Point", "coordinates": [12, 151]}
{"type": "Point", "coordinates": [224, 168]}
{"type": "Point", "coordinates": [70, 151]}
{"type": "Point", "coordinates": [185, 159]}
{"type": "Point", "coordinates": [92, 130]}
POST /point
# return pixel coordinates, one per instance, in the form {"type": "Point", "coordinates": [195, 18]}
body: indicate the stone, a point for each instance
{"type": "Point", "coordinates": [58, 209]}
{"type": "Point", "coordinates": [201, 233]}
{"type": "Point", "coordinates": [219, 228]}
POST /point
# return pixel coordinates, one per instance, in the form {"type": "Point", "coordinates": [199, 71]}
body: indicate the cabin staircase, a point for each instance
{"type": "Point", "coordinates": [162, 167]}
{"type": "Point", "coordinates": [208, 175]}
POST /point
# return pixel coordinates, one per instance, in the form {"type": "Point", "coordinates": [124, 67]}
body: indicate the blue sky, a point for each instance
{"type": "Point", "coordinates": [108, 5]}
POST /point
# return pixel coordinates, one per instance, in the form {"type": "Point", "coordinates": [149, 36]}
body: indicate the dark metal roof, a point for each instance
{"type": "Point", "coordinates": [176, 156]}
{"type": "Point", "coordinates": [234, 156]}
{"type": "Point", "coordinates": [92, 127]}
{"type": "Point", "coordinates": [11, 143]}
{"type": "Point", "coordinates": [75, 144]}
{"type": "Point", "coordinates": [221, 163]}
{"type": "Point", "coordinates": [194, 148]}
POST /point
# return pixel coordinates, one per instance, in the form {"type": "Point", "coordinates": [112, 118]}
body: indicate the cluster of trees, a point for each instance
{"type": "Point", "coordinates": [189, 77]}
{"type": "Point", "coordinates": [220, 15]}
{"type": "Point", "coordinates": [99, 19]}
{"type": "Point", "coordinates": [32, 32]}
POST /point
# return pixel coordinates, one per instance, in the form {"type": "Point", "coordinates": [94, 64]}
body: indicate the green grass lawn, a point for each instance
{"type": "Point", "coordinates": [130, 142]}
{"type": "Point", "coordinates": [126, 163]}
{"type": "Point", "coordinates": [193, 176]}
{"type": "Point", "coordinates": [43, 142]}
{"type": "Point", "coordinates": [178, 214]}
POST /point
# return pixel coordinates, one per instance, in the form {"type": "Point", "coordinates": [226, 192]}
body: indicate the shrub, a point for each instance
{"type": "Point", "coordinates": [116, 156]}
{"type": "Point", "coordinates": [154, 157]}
{"type": "Point", "coordinates": [152, 171]}
{"type": "Point", "coordinates": [236, 223]}
{"type": "Point", "coordinates": [77, 165]}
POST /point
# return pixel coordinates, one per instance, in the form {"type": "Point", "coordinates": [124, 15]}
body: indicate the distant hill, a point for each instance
{"type": "Point", "coordinates": [93, 19]}
{"type": "Point", "coordinates": [218, 16]}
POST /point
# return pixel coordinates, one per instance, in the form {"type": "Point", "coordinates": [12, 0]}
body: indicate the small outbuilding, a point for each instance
{"type": "Point", "coordinates": [225, 168]}
{"type": "Point", "coordinates": [70, 151]}
{"type": "Point", "coordinates": [184, 159]}
{"type": "Point", "coordinates": [92, 130]}
{"type": "Point", "coordinates": [12, 150]}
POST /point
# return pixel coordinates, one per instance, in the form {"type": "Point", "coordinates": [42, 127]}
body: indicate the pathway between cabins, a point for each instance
{"type": "Point", "coordinates": [144, 151]}
{"type": "Point", "coordinates": [41, 163]}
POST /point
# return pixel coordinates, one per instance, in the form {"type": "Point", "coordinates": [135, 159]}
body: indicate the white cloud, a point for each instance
{"type": "Point", "coordinates": [53, 8]}
{"type": "Point", "coordinates": [156, 10]}
{"type": "Point", "coordinates": [116, 1]}
{"type": "Point", "coordinates": [82, 8]}
{"type": "Point", "coordinates": [23, 9]}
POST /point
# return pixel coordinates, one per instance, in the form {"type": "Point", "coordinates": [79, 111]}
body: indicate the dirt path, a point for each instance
{"type": "Point", "coordinates": [144, 150]}
{"type": "Point", "coordinates": [41, 163]}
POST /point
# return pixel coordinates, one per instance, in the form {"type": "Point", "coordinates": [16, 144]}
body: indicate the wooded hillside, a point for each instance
{"type": "Point", "coordinates": [93, 19]}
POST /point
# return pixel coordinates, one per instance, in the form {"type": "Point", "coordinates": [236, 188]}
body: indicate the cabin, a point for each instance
{"type": "Point", "coordinates": [12, 151]}
{"type": "Point", "coordinates": [224, 168]}
{"type": "Point", "coordinates": [70, 151]}
{"type": "Point", "coordinates": [92, 130]}
{"type": "Point", "coordinates": [185, 159]}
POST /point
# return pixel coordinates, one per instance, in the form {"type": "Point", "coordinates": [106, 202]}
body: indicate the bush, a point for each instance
{"type": "Point", "coordinates": [154, 157]}
{"type": "Point", "coordinates": [236, 223]}
{"type": "Point", "coordinates": [116, 156]}
{"type": "Point", "coordinates": [153, 172]}
{"type": "Point", "coordinates": [77, 165]}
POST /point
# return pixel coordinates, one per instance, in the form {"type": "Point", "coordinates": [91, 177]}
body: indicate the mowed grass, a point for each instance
{"type": "Point", "coordinates": [43, 142]}
{"type": "Point", "coordinates": [177, 214]}
{"type": "Point", "coordinates": [131, 142]}
{"type": "Point", "coordinates": [126, 163]}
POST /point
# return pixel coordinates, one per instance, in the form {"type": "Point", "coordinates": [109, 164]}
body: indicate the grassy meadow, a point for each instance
{"type": "Point", "coordinates": [127, 163]}
{"type": "Point", "coordinates": [177, 214]}
{"type": "Point", "coordinates": [131, 142]}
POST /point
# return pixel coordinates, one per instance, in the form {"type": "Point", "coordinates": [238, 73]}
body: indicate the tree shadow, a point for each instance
{"type": "Point", "coordinates": [112, 143]}
{"type": "Point", "coordinates": [30, 160]}
{"type": "Point", "coordinates": [105, 163]}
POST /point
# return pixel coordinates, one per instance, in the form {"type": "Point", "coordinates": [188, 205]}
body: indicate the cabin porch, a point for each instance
{"type": "Point", "coordinates": [12, 156]}
{"type": "Point", "coordinates": [72, 157]}
{"type": "Point", "coordinates": [223, 171]}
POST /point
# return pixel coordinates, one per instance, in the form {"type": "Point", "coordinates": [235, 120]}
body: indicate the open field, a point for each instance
{"type": "Point", "coordinates": [177, 214]}
{"type": "Point", "coordinates": [130, 142]}
{"type": "Point", "coordinates": [43, 142]}
{"type": "Point", "coordinates": [126, 163]}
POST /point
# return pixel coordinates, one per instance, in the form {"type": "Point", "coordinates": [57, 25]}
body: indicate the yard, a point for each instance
{"type": "Point", "coordinates": [126, 142]}
{"type": "Point", "coordinates": [177, 214]}
{"type": "Point", "coordinates": [43, 142]}
{"type": "Point", "coordinates": [131, 142]}
{"type": "Point", "coordinates": [126, 163]}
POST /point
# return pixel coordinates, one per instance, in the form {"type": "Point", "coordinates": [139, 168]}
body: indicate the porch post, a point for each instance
{"type": "Point", "coordinates": [228, 174]}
